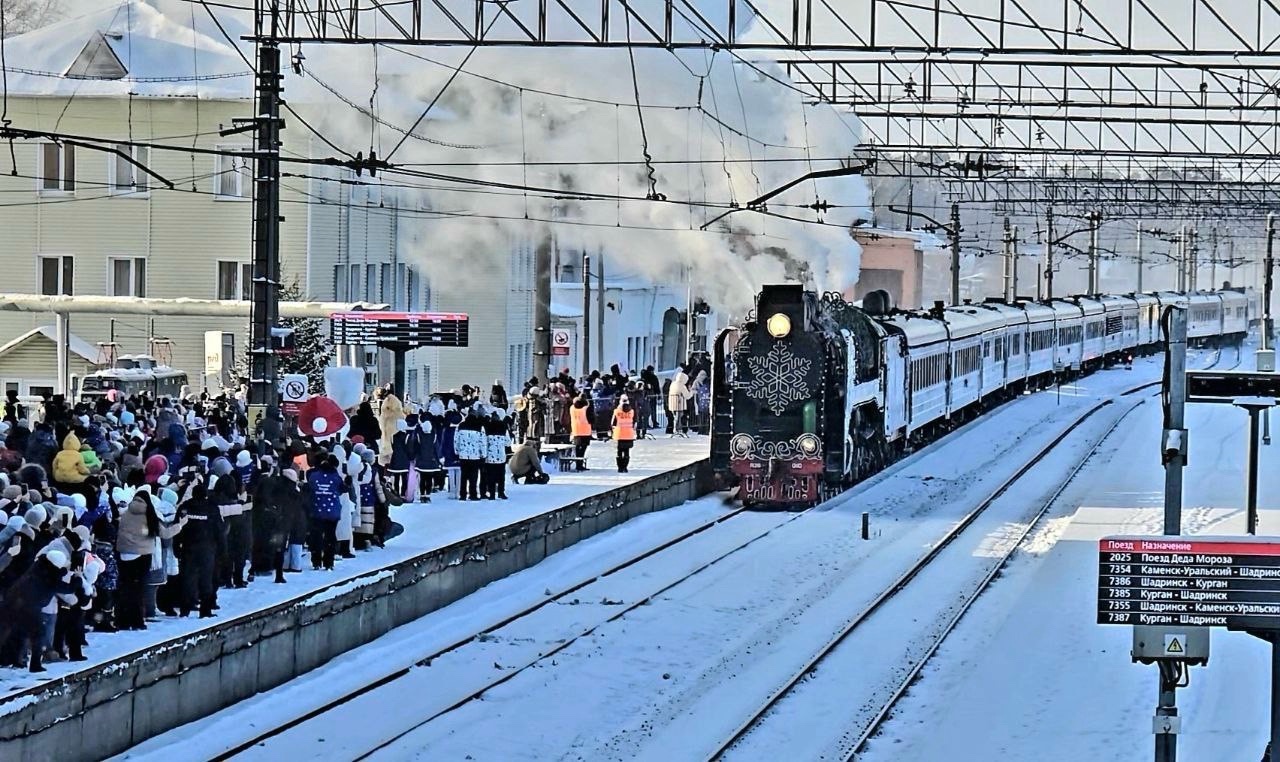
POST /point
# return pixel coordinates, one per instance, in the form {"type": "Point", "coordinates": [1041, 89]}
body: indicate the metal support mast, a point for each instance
{"type": "Point", "coordinates": [1010, 265]}
{"type": "Point", "coordinates": [1048, 254]}
{"type": "Point", "coordinates": [600, 310]}
{"type": "Point", "coordinates": [586, 313]}
{"type": "Point", "coordinates": [266, 225]}
{"type": "Point", "coordinates": [955, 253]}
{"type": "Point", "coordinates": [1094, 221]}
{"type": "Point", "coordinates": [542, 311]}
{"type": "Point", "coordinates": [1268, 326]}
{"type": "Point", "coordinates": [1140, 258]}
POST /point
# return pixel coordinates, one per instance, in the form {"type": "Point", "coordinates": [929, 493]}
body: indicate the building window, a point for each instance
{"type": "Point", "coordinates": [126, 276]}
{"type": "Point", "coordinates": [127, 176]}
{"type": "Point", "coordinates": [57, 168]}
{"type": "Point", "coordinates": [340, 282]}
{"type": "Point", "coordinates": [370, 283]}
{"type": "Point", "coordinates": [411, 383]}
{"type": "Point", "coordinates": [235, 280]}
{"type": "Point", "coordinates": [413, 290]}
{"type": "Point", "coordinates": [353, 283]}
{"type": "Point", "coordinates": [229, 171]}
{"type": "Point", "coordinates": [57, 275]}
{"type": "Point", "coordinates": [385, 286]}
{"type": "Point", "coordinates": [398, 300]}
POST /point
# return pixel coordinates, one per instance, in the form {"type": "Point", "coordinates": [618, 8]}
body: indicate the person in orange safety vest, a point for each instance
{"type": "Point", "coordinates": [624, 432]}
{"type": "Point", "coordinates": [580, 428]}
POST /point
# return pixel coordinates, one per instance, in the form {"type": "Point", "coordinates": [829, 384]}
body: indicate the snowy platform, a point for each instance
{"type": "Point", "coordinates": [448, 549]}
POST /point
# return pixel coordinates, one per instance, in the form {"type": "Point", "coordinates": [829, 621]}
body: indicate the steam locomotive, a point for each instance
{"type": "Point", "coordinates": [812, 394]}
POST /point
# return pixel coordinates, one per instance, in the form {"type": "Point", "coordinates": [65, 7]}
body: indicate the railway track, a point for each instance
{"type": "Point", "coordinates": [866, 614]}
{"type": "Point", "coordinates": [578, 587]}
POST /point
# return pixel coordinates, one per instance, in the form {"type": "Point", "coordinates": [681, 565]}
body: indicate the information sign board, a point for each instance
{"type": "Point", "coordinates": [406, 329]}
{"type": "Point", "coordinates": [1190, 581]}
{"type": "Point", "coordinates": [560, 343]}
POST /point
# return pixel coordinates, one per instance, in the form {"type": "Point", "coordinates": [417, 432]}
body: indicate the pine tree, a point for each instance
{"type": "Point", "coordinates": [311, 347]}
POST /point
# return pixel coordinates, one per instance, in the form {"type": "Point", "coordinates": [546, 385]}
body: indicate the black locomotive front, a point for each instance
{"type": "Point", "coordinates": [772, 402]}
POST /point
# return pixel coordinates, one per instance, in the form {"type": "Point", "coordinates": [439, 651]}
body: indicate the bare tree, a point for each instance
{"type": "Point", "coordinates": [24, 15]}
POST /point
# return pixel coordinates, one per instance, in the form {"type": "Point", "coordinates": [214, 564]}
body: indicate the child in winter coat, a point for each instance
{"type": "Point", "coordinates": [422, 440]}
{"type": "Point", "coordinates": [22, 604]}
{"type": "Point", "coordinates": [497, 441]}
{"type": "Point", "coordinates": [325, 511]}
{"type": "Point", "coordinates": [401, 457]}
{"type": "Point", "coordinates": [470, 444]}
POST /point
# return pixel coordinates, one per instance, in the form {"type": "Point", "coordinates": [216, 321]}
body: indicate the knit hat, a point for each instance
{"type": "Point", "coordinates": [401, 425]}
{"type": "Point", "coordinates": [367, 456]}
{"type": "Point", "coordinates": [169, 496]}
{"type": "Point", "coordinates": [79, 503]}
{"type": "Point", "coordinates": [243, 458]}
{"type": "Point", "coordinates": [86, 537]}
{"type": "Point", "coordinates": [16, 523]}
{"type": "Point", "coordinates": [58, 559]}
{"type": "Point", "coordinates": [290, 474]}
{"type": "Point", "coordinates": [93, 566]}
{"type": "Point", "coordinates": [36, 516]}
{"type": "Point", "coordinates": [209, 445]}
{"type": "Point", "coordinates": [12, 492]}
{"type": "Point", "coordinates": [221, 467]}
{"type": "Point", "coordinates": [34, 497]}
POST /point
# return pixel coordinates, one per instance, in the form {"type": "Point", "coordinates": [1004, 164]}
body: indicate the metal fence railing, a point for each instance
{"type": "Point", "coordinates": [653, 417]}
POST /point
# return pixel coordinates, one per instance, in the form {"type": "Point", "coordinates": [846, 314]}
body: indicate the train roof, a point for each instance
{"type": "Point", "coordinates": [968, 320]}
{"type": "Point", "coordinates": [918, 328]}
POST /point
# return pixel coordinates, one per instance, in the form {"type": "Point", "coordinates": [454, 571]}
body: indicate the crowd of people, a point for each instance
{"type": "Point", "coordinates": [114, 512]}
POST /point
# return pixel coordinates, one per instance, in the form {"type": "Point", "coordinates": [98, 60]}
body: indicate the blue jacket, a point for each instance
{"type": "Point", "coordinates": [326, 488]}
{"type": "Point", "coordinates": [448, 453]}
{"type": "Point", "coordinates": [245, 473]}
{"type": "Point", "coordinates": [423, 445]}
{"type": "Point", "coordinates": [401, 453]}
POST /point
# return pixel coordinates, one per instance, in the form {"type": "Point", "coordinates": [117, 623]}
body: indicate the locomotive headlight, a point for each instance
{"type": "Point", "coordinates": [779, 325]}
{"type": "Point", "coordinates": [809, 444]}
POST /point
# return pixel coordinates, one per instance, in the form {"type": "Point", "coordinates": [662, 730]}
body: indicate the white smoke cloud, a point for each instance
{"type": "Point", "coordinates": [703, 160]}
{"type": "Point", "coordinates": [719, 132]}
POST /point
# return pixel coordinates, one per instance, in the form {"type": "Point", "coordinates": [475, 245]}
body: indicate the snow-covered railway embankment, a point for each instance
{"type": "Point", "coordinates": [148, 692]}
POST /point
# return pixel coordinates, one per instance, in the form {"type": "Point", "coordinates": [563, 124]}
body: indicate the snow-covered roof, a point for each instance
{"type": "Point", "coordinates": [131, 48]}
{"type": "Point", "coordinates": [76, 344]}
{"type": "Point", "coordinates": [562, 310]}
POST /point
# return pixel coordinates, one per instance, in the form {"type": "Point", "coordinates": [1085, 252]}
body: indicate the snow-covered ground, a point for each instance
{"type": "Point", "coordinates": [672, 678]}
{"type": "Point", "coordinates": [426, 527]}
{"type": "Point", "coordinates": [1028, 675]}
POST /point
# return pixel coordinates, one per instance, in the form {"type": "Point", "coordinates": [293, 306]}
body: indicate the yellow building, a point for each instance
{"type": "Point", "coordinates": [93, 222]}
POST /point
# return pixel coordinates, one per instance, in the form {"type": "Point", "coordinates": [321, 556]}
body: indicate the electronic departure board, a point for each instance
{"type": "Point", "coordinates": [404, 330]}
{"type": "Point", "coordinates": [1228, 582]}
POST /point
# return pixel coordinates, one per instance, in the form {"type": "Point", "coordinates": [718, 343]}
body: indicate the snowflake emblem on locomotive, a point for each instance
{"type": "Point", "coordinates": [813, 394]}
{"type": "Point", "coordinates": [779, 378]}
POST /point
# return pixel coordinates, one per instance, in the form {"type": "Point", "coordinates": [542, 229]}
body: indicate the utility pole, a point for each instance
{"type": "Point", "coordinates": [1175, 432]}
{"type": "Point", "coordinates": [1094, 222]}
{"type": "Point", "coordinates": [1173, 452]}
{"type": "Point", "coordinates": [1192, 260]}
{"type": "Point", "coordinates": [542, 311]}
{"type": "Point", "coordinates": [1213, 260]}
{"type": "Point", "coordinates": [1048, 254]}
{"type": "Point", "coordinates": [586, 313]}
{"type": "Point", "coordinates": [1267, 325]}
{"type": "Point", "coordinates": [1139, 258]}
{"type": "Point", "coordinates": [955, 254]}
{"type": "Point", "coordinates": [1182, 258]}
{"type": "Point", "coordinates": [600, 310]}
{"type": "Point", "coordinates": [1009, 290]}
{"type": "Point", "coordinates": [1013, 244]}
{"type": "Point", "coordinates": [265, 308]}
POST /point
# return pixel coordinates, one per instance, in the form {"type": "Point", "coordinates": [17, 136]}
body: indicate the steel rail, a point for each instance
{"type": "Point", "coordinates": [920, 564]}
